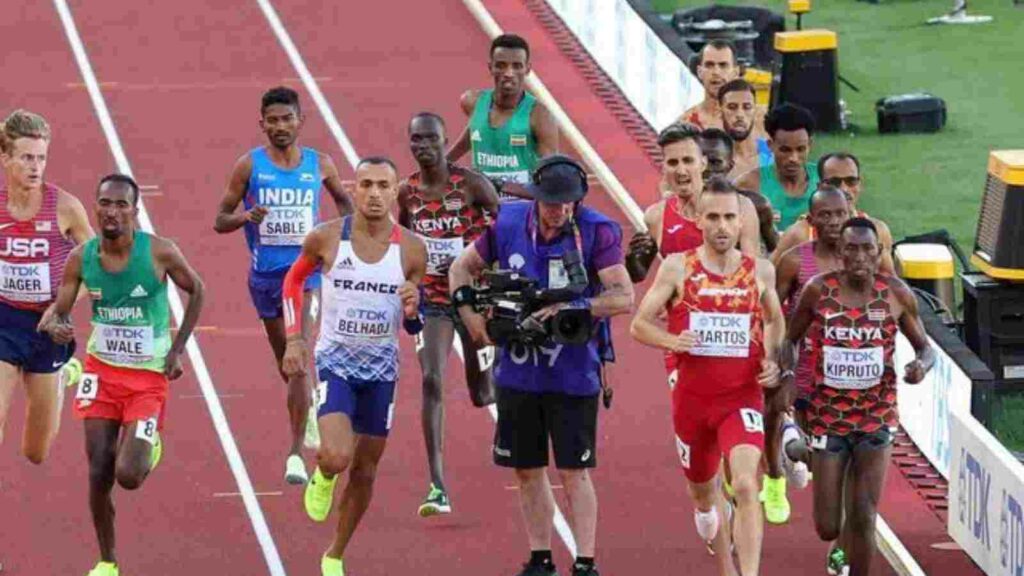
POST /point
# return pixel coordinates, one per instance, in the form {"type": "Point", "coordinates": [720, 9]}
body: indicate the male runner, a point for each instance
{"type": "Point", "coordinates": [829, 210]}
{"type": "Point", "coordinates": [741, 120]}
{"type": "Point", "coordinates": [672, 222]}
{"type": "Point", "coordinates": [39, 225]}
{"type": "Point", "coordinates": [718, 148]}
{"type": "Point", "coordinates": [508, 129]}
{"type": "Point", "coordinates": [717, 66]}
{"type": "Point", "coordinates": [449, 207]}
{"type": "Point", "coordinates": [841, 170]}
{"type": "Point", "coordinates": [372, 269]}
{"type": "Point", "coordinates": [279, 185]}
{"type": "Point", "coordinates": [724, 328]}
{"type": "Point", "coordinates": [852, 317]}
{"type": "Point", "coordinates": [788, 182]}
{"type": "Point", "coordinates": [123, 392]}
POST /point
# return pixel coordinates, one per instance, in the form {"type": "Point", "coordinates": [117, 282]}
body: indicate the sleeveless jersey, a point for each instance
{"type": "Point", "coordinates": [787, 208]}
{"type": "Point", "coordinates": [32, 254]}
{"type": "Point", "coordinates": [855, 384]}
{"type": "Point", "coordinates": [804, 376]}
{"type": "Point", "coordinates": [129, 308]}
{"type": "Point", "coordinates": [726, 314]}
{"type": "Point", "coordinates": [678, 234]}
{"type": "Point", "coordinates": [293, 200]}
{"type": "Point", "coordinates": [361, 312]}
{"type": "Point", "coordinates": [508, 151]}
{"type": "Point", "coordinates": [446, 225]}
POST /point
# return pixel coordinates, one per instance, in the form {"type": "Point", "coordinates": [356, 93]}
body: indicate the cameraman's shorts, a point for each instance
{"type": "Point", "coordinates": [526, 420]}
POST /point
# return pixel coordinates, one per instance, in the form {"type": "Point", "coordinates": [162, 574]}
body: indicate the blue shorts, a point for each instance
{"type": "Point", "coordinates": [369, 404]}
{"type": "Point", "coordinates": [27, 349]}
{"type": "Point", "coordinates": [266, 291]}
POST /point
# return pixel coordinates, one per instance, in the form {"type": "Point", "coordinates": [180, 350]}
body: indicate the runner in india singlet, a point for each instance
{"type": "Point", "coordinates": [361, 313]}
{"type": "Point", "coordinates": [855, 384]}
{"type": "Point", "coordinates": [446, 226]}
{"type": "Point", "coordinates": [292, 198]}
{"type": "Point", "coordinates": [32, 255]}
{"type": "Point", "coordinates": [129, 309]}
{"type": "Point", "coordinates": [506, 152]}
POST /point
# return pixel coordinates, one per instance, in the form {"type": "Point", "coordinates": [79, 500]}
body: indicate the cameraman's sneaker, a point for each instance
{"type": "Point", "coordinates": [437, 502]}
{"type": "Point", "coordinates": [538, 570]}
{"type": "Point", "coordinates": [837, 563]}
{"type": "Point", "coordinates": [585, 571]}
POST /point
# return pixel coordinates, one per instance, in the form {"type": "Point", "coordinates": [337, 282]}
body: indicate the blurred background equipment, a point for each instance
{"type": "Point", "coordinates": [918, 112]}
{"type": "Point", "coordinates": [999, 237]}
{"type": "Point", "coordinates": [809, 75]}
{"type": "Point", "coordinates": [959, 15]}
{"type": "Point", "coordinates": [928, 269]}
{"type": "Point", "coordinates": [751, 29]}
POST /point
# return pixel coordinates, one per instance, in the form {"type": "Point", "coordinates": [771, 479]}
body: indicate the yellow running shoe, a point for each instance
{"type": "Point", "coordinates": [331, 566]}
{"type": "Point", "coordinates": [319, 496]}
{"type": "Point", "coordinates": [776, 506]}
{"type": "Point", "coordinates": [104, 569]}
{"type": "Point", "coordinates": [156, 453]}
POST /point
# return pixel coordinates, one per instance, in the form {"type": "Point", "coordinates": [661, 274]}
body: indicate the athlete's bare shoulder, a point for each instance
{"type": "Point", "coordinates": [468, 101]}
{"type": "Point", "coordinates": [68, 202]}
{"type": "Point", "coordinates": [165, 251]}
{"type": "Point", "coordinates": [765, 271]}
{"type": "Point", "coordinates": [410, 239]}
{"type": "Point", "coordinates": [654, 212]}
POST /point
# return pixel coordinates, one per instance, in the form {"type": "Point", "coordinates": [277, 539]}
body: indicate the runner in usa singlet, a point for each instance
{"type": "Point", "coordinates": [32, 255]}
{"type": "Point", "coordinates": [855, 384]}
{"type": "Point", "coordinates": [446, 225]}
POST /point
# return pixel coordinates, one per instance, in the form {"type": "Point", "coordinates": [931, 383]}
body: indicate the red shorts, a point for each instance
{"type": "Point", "coordinates": [122, 394]}
{"type": "Point", "coordinates": [708, 427]}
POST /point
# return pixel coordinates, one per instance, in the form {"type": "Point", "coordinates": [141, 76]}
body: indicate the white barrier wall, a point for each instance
{"type": "Point", "coordinates": [925, 408]}
{"type": "Point", "coordinates": [986, 494]}
{"type": "Point", "coordinates": [651, 76]}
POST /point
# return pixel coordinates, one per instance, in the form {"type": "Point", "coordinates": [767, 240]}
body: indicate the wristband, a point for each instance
{"type": "Point", "coordinates": [463, 296]}
{"type": "Point", "coordinates": [413, 326]}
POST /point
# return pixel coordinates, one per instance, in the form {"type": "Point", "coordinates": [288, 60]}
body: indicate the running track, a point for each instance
{"type": "Point", "coordinates": [182, 81]}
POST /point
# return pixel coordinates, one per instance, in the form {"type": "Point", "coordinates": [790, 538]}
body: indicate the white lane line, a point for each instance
{"type": "Point", "coordinates": [561, 526]}
{"type": "Point", "coordinates": [252, 506]}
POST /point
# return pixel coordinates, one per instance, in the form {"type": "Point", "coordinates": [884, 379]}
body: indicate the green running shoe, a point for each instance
{"type": "Point", "coordinates": [437, 502]}
{"type": "Point", "coordinates": [837, 563]}
{"type": "Point", "coordinates": [319, 496]}
{"type": "Point", "coordinates": [157, 453]}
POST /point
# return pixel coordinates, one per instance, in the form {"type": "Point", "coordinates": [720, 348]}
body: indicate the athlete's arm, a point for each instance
{"type": "Point", "coordinates": [170, 258]}
{"type": "Point", "coordinates": [334, 186]}
{"type": "Point", "coordinates": [787, 271]}
{"type": "Point", "coordinates": [462, 144]}
{"type": "Point", "coordinates": [414, 263]}
{"type": "Point", "coordinates": [643, 247]}
{"type": "Point", "coordinates": [227, 220]}
{"type": "Point", "coordinates": [799, 321]}
{"type": "Point", "coordinates": [885, 265]}
{"type": "Point", "coordinates": [750, 181]}
{"type": "Point", "coordinates": [774, 324]}
{"type": "Point", "coordinates": [482, 193]}
{"type": "Point", "coordinates": [545, 130]}
{"type": "Point", "coordinates": [793, 236]}
{"type": "Point", "coordinates": [750, 232]}
{"type": "Point", "coordinates": [58, 324]}
{"type": "Point", "coordinates": [765, 219]}
{"type": "Point", "coordinates": [294, 361]}
{"type": "Point", "coordinates": [404, 217]}
{"type": "Point", "coordinates": [73, 219]}
{"type": "Point", "coordinates": [645, 327]}
{"type": "Point", "coordinates": [912, 327]}
{"type": "Point", "coordinates": [467, 266]}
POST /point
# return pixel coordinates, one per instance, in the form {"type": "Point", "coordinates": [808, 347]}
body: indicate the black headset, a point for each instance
{"type": "Point", "coordinates": [555, 160]}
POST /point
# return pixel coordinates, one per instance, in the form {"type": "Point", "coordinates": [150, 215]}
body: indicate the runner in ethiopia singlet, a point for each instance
{"type": "Point", "coordinates": [446, 225]}
{"type": "Point", "coordinates": [718, 402]}
{"type": "Point", "coordinates": [855, 384]}
{"type": "Point", "coordinates": [506, 152]}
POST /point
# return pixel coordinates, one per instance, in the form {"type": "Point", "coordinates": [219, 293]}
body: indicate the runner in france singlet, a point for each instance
{"type": "Point", "coordinates": [678, 234]}
{"type": "Point", "coordinates": [32, 254]}
{"type": "Point", "coordinates": [446, 226]}
{"type": "Point", "coordinates": [726, 314]}
{"type": "Point", "coordinates": [361, 312]}
{"type": "Point", "coordinates": [855, 384]}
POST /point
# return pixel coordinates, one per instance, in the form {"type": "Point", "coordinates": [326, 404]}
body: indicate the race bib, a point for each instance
{"type": "Point", "coordinates": [146, 430]}
{"type": "Point", "coordinates": [441, 252]}
{"type": "Point", "coordinates": [366, 324]}
{"type": "Point", "coordinates": [25, 282]}
{"type": "Point", "coordinates": [684, 452]}
{"type": "Point", "coordinates": [853, 368]}
{"type": "Point", "coordinates": [124, 344]}
{"type": "Point", "coordinates": [286, 225]}
{"type": "Point", "coordinates": [88, 387]}
{"type": "Point", "coordinates": [721, 334]}
{"type": "Point", "coordinates": [485, 357]}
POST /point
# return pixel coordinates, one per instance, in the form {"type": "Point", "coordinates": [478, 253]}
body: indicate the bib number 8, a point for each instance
{"type": "Point", "coordinates": [88, 387]}
{"type": "Point", "coordinates": [146, 430]}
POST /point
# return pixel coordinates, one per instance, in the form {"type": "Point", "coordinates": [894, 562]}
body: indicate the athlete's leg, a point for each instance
{"type": "Point", "coordinates": [134, 453]}
{"type": "Point", "coordinates": [479, 376]}
{"type": "Point", "coordinates": [337, 444]}
{"type": "Point", "coordinates": [42, 415]}
{"type": "Point", "coordinates": [358, 491]}
{"type": "Point", "coordinates": [101, 449]}
{"type": "Point", "coordinates": [773, 412]}
{"type": "Point", "coordinates": [829, 464]}
{"type": "Point", "coordinates": [298, 387]}
{"type": "Point", "coordinates": [748, 530]}
{"type": "Point", "coordinates": [10, 378]}
{"type": "Point", "coordinates": [706, 495]}
{"type": "Point", "coordinates": [868, 468]}
{"type": "Point", "coordinates": [435, 346]}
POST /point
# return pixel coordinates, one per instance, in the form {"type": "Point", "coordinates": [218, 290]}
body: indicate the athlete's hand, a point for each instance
{"type": "Point", "coordinates": [46, 319]}
{"type": "Point", "coordinates": [256, 214]}
{"type": "Point", "coordinates": [642, 242]}
{"type": "Point", "coordinates": [913, 372]}
{"type": "Point", "coordinates": [410, 295]}
{"type": "Point", "coordinates": [684, 342]}
{"type": "Point", "coordinates": [294, 361]}
{"type": "Point", "coordinates": [769, 376]}
{"type": "Point", "coordinates": [60, 332]}
{"type": "Point", "coordinates": [172, 365]}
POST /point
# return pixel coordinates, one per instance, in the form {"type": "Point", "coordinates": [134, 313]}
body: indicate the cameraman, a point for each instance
{"type": "Point", "coordinates": [550, 390]}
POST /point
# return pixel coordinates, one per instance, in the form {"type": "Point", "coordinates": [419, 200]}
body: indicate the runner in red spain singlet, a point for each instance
{"type": "Point", "coordinates": [852, 317]}
{"type": "Point", "coordinates": [448, 207]}
{"type": "Point", "coordinates": [724, 328]}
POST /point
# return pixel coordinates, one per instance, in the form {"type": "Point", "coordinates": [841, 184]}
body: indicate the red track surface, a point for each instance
{"type": "Point", "coordinates": [183, 80]}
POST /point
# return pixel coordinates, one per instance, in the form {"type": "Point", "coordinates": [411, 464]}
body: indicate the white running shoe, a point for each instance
{"type": "Point", "coordinates": [312, 438]}
{"type": "Point", "coordinates": [797, 474]}
{"type": "Point", "coordinates": [295, 471]}
{"type": "Point", "coordinates": [707, 523]}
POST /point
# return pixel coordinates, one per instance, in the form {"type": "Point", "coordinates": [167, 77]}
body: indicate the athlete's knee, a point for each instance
{"type": "Point", "coordinates": [36, 454]}
{"type": "Point", "coordinates": [333, 460]}
{"type": "Point", "coordinates": [827, 524]}
{"type": "Point", "coordinates": [433, 386]}
{"type": "Point", "coordinates": [861, 520]}
{"type": "Point", "coordinates": [129, 477]}
{"type": "Point", "coordinates": [744, 487]}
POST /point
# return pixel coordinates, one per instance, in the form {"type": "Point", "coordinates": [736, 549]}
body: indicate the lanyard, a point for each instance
{"type": "Point", "coordinates": [535, 231]}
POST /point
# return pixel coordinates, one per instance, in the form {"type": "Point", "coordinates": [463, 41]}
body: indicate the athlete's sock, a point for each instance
{"type": "Point", "coordinates": [707, 523]}
{"type": "Point", "coordinates": [541, 558]}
